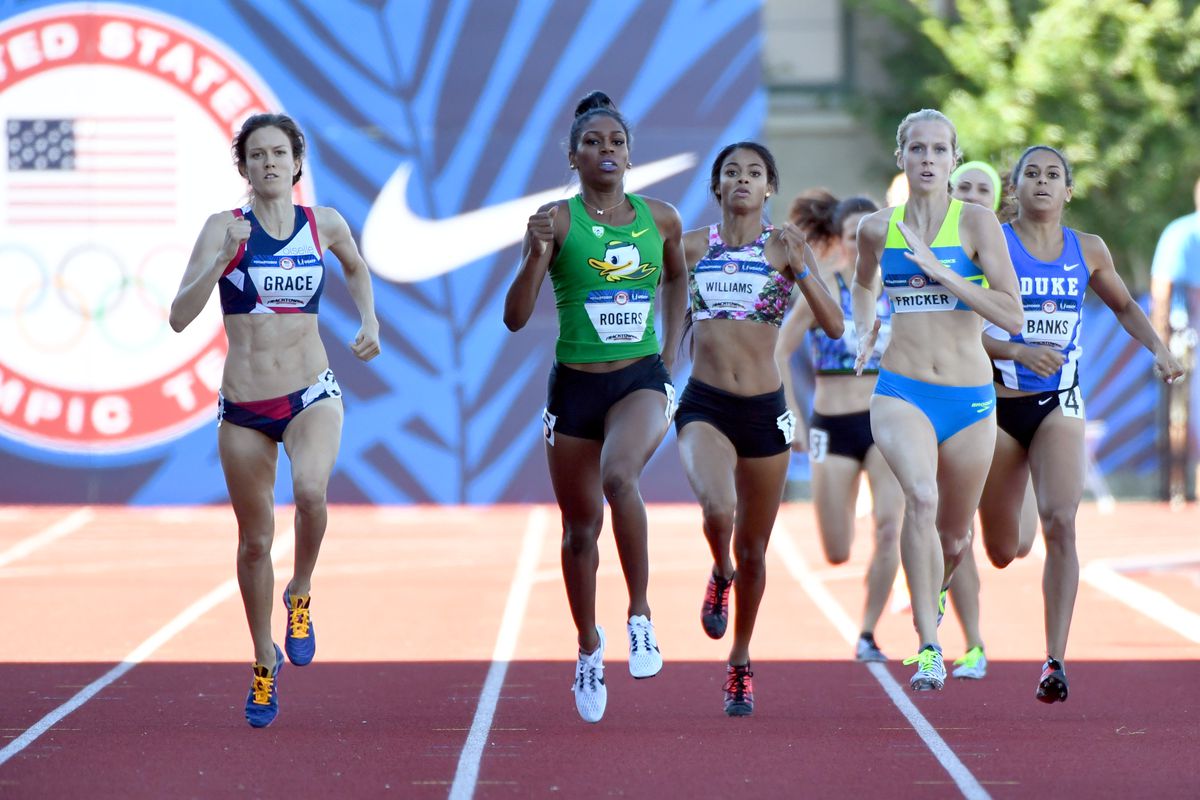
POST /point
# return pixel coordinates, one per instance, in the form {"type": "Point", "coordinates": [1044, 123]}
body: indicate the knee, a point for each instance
{"type": "Point", "coordinates": [920, 501]}
{"type": "Point", "coordinates": [1059, 527]}
{"type": "Point", "coordinates": [718, 515]}
{"type": "Point", "coordinates": [619, 481]}
{"type": "Point", "coordinates": [887, 533]}
{"type": "Point", "coordinates": [1000, 556]}
{"type": "Point", "coordinates": [309, 497]}
{"type": "Point", "coordinates": [255, 546]}
{"type": "Point", "coordinates": [580, 535]}
{"type": "Point", "coordinates": [751, 558]}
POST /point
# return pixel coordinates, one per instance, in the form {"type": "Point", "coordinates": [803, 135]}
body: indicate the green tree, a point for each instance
{"type": "Point", "coordinates": [1114, 84]}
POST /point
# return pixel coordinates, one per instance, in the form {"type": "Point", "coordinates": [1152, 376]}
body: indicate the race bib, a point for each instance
{"type": "Point", "coordinates": [919, 293]}
{"type": "Point", "coordinates": [619, 315]}
{"type": "Point", "coordinates": [1050, 323]}
{"type": "Point", "coordinates": [818, 445]}
{"type": "Point", "coordinates": [1071, 403]}
{"type": "Point", "coordinates": [285, 282]}
{"type": "Point", "coordinates": [727, 285]}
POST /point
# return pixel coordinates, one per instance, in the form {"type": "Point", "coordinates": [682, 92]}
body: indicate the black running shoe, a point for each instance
{"type": "Point", "coordinates": [714, 613]}
{"type": "Point", "coordinates": [739, 690]}
{"type": "Point", "coordinates": [1052, 688]}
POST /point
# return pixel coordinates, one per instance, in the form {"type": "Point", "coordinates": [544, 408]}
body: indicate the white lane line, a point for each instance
{"type": "Point", "coordinates": [195, 611]}
{"type": "Point", "coordinates": [785, 547]}
{"type": "Point", "coordinates": [467, 774]}
{"type": "Point", "coordinates": [1153, 604]}
{"type": "Point", "coordinates": [64, 527]}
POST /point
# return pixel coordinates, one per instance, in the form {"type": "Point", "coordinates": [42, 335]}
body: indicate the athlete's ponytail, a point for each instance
{"type": "Point", "coordinates": [814, 213]}
{"type": "Point", "coordinates": [593, 105]}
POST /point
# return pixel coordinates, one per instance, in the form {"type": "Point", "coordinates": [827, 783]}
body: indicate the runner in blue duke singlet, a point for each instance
{"type": "Point", "coordinates": [1039, 410]}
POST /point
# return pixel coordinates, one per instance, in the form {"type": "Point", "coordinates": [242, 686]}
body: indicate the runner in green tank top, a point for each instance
{"type": "Point", "coordinates": [610, 394]}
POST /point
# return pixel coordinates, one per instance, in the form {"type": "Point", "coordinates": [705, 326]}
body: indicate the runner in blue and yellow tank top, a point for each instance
{"type": "Point", "coordinates": [945, 269]}
{"type": "Point", "coordinates": [733, 422]}
{"type": "Point", "coordinates": [1039, 408]}
{"type": "Point", "coordinates": [610, 394]}
{"type": "Point", "coordinates": [839, 442]}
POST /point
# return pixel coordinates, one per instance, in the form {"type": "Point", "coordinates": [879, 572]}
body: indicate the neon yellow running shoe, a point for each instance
{"type": "Point", "coordinates": [971, 666]}
{"type": "Point", "coordinates": [931, 671]}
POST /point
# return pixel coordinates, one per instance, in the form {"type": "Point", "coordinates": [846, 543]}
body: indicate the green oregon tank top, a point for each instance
{"type": "Point", "coordinates": [604, 278]}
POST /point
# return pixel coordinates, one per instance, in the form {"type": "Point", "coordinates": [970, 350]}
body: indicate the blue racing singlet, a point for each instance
{"type": "Point", "coordinates": [271, 276]}
{"type": "Point", "coordinates": [837, 356]}
{"type": "Point", "coordinates": [1052, 295]}
{"type": "Point", "coordinates": [908, 288]}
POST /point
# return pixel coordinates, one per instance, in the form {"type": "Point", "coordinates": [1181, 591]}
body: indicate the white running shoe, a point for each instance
{"type": "Point", "coordinates": [866, 649]}
{"type": "Point", "coordinates": [645, 660]}
{"type": "Point", "coordinates": [931, 671]}
{"type": "Point", "coordinates": [591, 695]}
{"type": "Point", "coordinates": [972, 666]}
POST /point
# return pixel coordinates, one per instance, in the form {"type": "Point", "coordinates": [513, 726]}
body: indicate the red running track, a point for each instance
{"type": "Point", "coordinates": [410, 606]}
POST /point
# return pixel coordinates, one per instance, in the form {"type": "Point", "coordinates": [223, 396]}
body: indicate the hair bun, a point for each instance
{"type": "Point", "coordinates": [594, 100]}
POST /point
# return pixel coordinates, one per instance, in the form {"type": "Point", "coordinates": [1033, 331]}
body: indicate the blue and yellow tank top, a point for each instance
{"type": "Point", "coordinates": [911, 290]}
{"type": "Point", "coordinates": [738, 282]}
{"type": "Point", "coordinates": [837, 356]}
{"type": "Point", "coordinates": [1052, 295]}
{"type": "Point", "coordinates": [604, 278]}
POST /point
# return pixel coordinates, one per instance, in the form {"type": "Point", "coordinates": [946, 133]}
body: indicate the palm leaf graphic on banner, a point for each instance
{"type": "Point", "coordinates": [448, 108]}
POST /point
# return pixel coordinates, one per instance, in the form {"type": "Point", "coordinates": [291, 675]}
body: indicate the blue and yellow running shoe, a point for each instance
{"type": "Point", "coordinates": [262, 704]}
{"type": "Point", "coordinates": [300, 641]}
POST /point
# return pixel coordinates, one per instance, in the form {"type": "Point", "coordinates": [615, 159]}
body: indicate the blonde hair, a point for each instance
{"type": "Point", "coordinates": [926, 115]}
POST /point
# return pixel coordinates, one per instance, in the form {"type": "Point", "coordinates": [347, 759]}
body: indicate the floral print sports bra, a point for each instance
{"type": "Point", "coordinates": [738, 283]}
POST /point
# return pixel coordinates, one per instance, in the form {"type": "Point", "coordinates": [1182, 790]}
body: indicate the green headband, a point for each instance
{"type": "Point", "coordinates": [986, 169]}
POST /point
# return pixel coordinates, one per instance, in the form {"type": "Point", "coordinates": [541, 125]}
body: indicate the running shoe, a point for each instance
{"type": "Point", "coordinates": [714, 613]}
{"type": "Point", "coordinates": [645, 660]}
{"type": "Point", "coordinates": [739, 690]}
{"type": "Point", "coordinates": [300, 641]}
{"type": "Point", "coordinates": [591, 695]}
{"type": "Point", "coordinates": [1052, 688]}
{"type": "Point", "coordinates": [262, 703]}
{"type": "Point", "coordinates": [867, 650]}
{"type": "Point", "coordinates": [931, 671]}
{"type": "Point", "coordinates": [971, 666]}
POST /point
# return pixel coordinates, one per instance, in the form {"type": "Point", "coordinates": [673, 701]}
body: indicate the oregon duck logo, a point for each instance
{"type": "Point", "coordinates": [622, 262]}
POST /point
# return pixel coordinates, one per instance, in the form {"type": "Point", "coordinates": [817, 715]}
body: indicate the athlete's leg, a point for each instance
{"type": "Point", "coordinates": [575, 475]}
{"type": "Point", "coordinates": [760, 483]}
{"type": "Point", "coordinates": [1003, 494]}
{"type": "Point", "coordinates": [835, 492]}
{"type": "Point", "coordinates": [633, 429]}
{"type": "Point", "coordinates": [1057, 459]}
{"type": "Point", "coordinates": [311, 441]}
{"type": "Point", "coordinates": [709, 461]}
{"type": "Point", "coordinates": [906, 440]}
{"type": "Point", "coordinates": [888, 514]}
{"type": "Point", "coordinates": [964, 593]}
{"type": "Point", "coordinates": [963, 462]}
{"type": "Point", "coordinates": [1029, 520]}
{"type": "Point", "coordinates": [248, 459]}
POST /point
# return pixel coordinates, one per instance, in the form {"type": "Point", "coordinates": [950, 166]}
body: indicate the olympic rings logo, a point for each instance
{"type": "Point", "coordinates": [90, 286]}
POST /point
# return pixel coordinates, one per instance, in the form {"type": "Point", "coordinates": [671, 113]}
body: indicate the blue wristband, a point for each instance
{"type": "Point", "coordinates": [802, 275]}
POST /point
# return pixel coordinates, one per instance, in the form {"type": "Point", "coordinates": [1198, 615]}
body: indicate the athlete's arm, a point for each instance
{"type": "Point", "coordinates": [1043, 361]}
{"type": "Point", "coordinates": [871, 232]}
{"type": "Point", "coordinates": [1109, 287]}
{"type": "Point", "coordinates": [826, 311]}
{"type": "Point", "coordinates": [335, 236]}
{"type": "Point", "coordinates": [218, 243]}
{"type": "Point", "coordinates": [1000, 302]}
{"type": "Point", "coordinates": [791, 335]}
{"type": "Point", "coordinates": [674, 280]}
{"type": "Point", "coordinates": [541, 243]}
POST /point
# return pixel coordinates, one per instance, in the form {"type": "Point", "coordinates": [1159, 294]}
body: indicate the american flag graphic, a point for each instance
{"type": "Point", "coordinates": [91, 171]}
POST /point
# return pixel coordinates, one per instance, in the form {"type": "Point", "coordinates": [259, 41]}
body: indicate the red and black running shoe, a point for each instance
{"type": "Point", "coordinates": [714, 613]}
{"type": "Point", "coordinates": [739, 690]}
{"type": "Point", "coordinates": [1052, 688]}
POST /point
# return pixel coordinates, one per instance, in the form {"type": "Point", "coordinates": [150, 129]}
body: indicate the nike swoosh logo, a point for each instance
{"type": "Point", "coordinates": [636, 234]}
{"type": "Point", "coordinates": [1046, 400]}
{"type": "Point", "coordinates": [1069, 267]}
{"type": "Point", "coordinates": [392, 230]}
